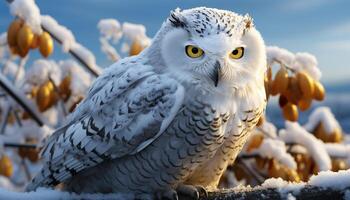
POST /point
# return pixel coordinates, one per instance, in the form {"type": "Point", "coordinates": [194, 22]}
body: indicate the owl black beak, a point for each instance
{"type": "Point", "coordinates": [214, 75]}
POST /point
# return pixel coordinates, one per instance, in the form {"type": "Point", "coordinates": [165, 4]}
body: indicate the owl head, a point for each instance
{"type": "Point", "coordinates": [210, 46]}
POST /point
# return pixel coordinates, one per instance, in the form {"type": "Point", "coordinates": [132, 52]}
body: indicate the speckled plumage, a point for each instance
{"type": "Point", "coordinates": [156, 121]}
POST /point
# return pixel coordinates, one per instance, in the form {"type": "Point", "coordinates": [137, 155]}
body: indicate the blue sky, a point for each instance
{"type": "Point", "coordinates": [321, 27]}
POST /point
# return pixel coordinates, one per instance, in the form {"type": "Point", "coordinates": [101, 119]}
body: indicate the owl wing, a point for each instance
{"type": "Point", "coordinates": [126, 109]}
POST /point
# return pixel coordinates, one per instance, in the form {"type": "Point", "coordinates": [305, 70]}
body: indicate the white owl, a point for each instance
{"type": "Point", "coordinates": [167, 121]}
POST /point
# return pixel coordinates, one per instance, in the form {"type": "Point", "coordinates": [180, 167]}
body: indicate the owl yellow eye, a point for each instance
{"type": "Point", "coordinates": [237, 53]}
{"type": "Point", "coordinates": [193, 51]}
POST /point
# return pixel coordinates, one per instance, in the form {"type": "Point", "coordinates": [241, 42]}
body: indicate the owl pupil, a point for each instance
{"type": "Point", "coordinates": [194, 50]}
{"type": "Point", "coordinates": [235, 52]}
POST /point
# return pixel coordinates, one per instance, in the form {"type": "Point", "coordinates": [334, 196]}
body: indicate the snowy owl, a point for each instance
{"type": "Point", "coordinates": [168, 121]}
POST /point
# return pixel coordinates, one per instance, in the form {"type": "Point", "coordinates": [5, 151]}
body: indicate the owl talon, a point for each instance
{"type": "Point", "coordinates": [192, 192]}
{"type": "Point", "coordinates": [202, 191]}
{"type": "Point", "coordinates": [169, 194]}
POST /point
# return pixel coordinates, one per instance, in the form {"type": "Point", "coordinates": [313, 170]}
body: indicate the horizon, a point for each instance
{"type": "Point", "coordinates": [325, 25]}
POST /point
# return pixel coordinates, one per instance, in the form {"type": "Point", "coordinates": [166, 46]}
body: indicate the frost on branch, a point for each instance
{"type": "Point", "coordinates": [324, 116]}
{"type": "Point", "coordinates": [294, 133]}
{"type": "Point", "coordinates": [66, 37]}
{"type": "Point", "coordinates": [324, 185]}
{"type": "Point", "coordinates": [133, 42]}
{"type": "Point", "coordinates": [300, 61]}
{"type": "Point", "coordinates": [28, 11]}
{"type": "Point", "coordinates": [61, 32]}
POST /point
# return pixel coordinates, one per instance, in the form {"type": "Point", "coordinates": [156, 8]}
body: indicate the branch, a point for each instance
{"type": "Point", "coordinates": [308, 192]}
{"type": "Point", "coordinates": [74, 54]}
{"type": "Point", "coordinates": [21, 99]}
{"type": "Point", "coordinates": [18, 145]}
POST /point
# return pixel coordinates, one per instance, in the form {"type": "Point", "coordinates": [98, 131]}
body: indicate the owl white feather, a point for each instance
{"type": "Point", "coordinates": [169, 120]}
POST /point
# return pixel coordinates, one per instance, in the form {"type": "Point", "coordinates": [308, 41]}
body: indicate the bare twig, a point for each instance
{"type": "Point", "coordinates": [247, 168]}
{"type": "Point", "coordinates": [17, 145]}
{"type": "Point", "coordinates": [26, 169]}
{"type": "Point", "coordinates": [18, 119]}
{"type": "Point", "coordinates": [5, 119]}
{"type": "Point", "coordinates": [21, 65]}
{"type": "Point", "coordinates": [284, 65]}
{"type": "Point", "coordinates": [21, 99]}
{"type": "Point", "coordinates": [60, 99]}
{"type": "Point", "coordinates": [74, 54]}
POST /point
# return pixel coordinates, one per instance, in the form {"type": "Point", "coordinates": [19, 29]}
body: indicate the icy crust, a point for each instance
{"type": "Point", "coordinates": [272, 148]}
{"type": "Point", "coordinates": [300, 61]}
{"type": "Point", "coordinates": [44, 193]}
{"type": "Point", "coordinates": [294, 133]}
{"type": "Point", "coordinates": [29, 12]}
{"type": "Point", "coordinates": [325, 116]}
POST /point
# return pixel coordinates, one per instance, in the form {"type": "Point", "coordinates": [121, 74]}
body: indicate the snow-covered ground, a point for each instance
{"type": "Point", "coordinates": [326, 180]}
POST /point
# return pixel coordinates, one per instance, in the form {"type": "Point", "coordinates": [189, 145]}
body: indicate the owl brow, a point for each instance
{"type": "Point", "coordinates": [176, 21]}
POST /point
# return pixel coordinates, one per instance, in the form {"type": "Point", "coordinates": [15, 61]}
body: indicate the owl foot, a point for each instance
{"type": "Point", "coordinates": [169, 194]}
{"type": "Point", "coordinates": [191, 192]}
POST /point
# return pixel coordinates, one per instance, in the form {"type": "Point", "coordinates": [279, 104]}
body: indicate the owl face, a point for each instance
{"type": "Point", "coordinates": [213, 46]}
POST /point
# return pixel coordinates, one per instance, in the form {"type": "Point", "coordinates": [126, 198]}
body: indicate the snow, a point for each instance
{"type": "Point", "coordinates": [6, 183]}
{"type": "Point", "coordinates": [268, 129]}
{"type": "Point", "coordinates": [81, 80]}
{"type": "Point", "coordinates": [325, 116]}
{"type": "Point", "coordinates": [68, 41]}
{"type": "Point", "coordinates": [290, 197]}
{"type": "Point", "coordinates": [86, 55]}
{"type": "Point", "coordinates": [296, 148]}
{"type": "Point", "coordinates": [17, 134]}
{"type": "Point", "coordinates": [110, 29]}
{"type": "Point", "coordinates": [294, 133]}
{"type": "Point", "coordinates": [283, 55]}
{"type": "Point", "coordinates": [41, 70]}
{"type": "Point", "coordinates": [44, 193]}
{"type": "Point", "coordinates": [271, 148]}
{"type": "Point", "coordinates": [10, 68]}
{"type": "Point", "coordinates": [29, 12]}
{"type": "Point", "coordinates": [282, 185]}
{"type": "Point", "coordinates": [328, 179]}
{"type": "Point", "coordinates": [109, 50]}
{"type": "Point", "coordinates": [61, 32]}
{"type": "Point", "coordinates": [136, 32]}
{"type": "Point", "coordinates": [338, 150]}
{"type": "Point", "coordinates": [308, 63]}
{"type": "Point", "coordinates": [300, 61]}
